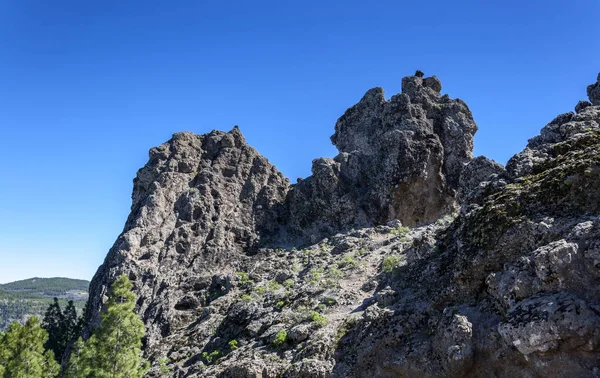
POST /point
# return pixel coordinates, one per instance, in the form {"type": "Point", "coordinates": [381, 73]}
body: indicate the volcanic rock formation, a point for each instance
{"type": "Point", "coordinates": [240, 274]}
{"type": "Point", "coordinates": [399, 159]}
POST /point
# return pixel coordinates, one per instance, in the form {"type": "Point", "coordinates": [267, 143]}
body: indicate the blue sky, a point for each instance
{"type": "Point", "coordinates": [87, 87]}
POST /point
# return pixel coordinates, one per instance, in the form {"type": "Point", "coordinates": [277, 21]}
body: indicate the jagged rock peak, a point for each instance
{"type": "Point", "coordinates": [563, 127]}
{"type": "Point", "coordinates": [593, 91]}
{"type": "Point", "coordinates": [398, 159]}
{"type": "Point", "coordinates": [204, 203]}
{"type": "Point", "coordinates": [411, 83]}
{"type": "Point", "coordinates": [199, 202]}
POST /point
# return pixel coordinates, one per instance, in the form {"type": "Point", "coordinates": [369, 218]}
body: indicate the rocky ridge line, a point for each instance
{"type": "Point", "coordinates": [506, 286]}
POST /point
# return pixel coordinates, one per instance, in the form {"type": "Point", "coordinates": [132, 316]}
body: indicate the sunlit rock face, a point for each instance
{"type": "Point", "coordinates": [240, 274]}
{"type": "Point", "coordinates": [398, 159]}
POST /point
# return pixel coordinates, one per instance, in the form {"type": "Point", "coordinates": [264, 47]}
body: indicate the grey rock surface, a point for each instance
{"type": "Point", "coordinates": [198, 202]}
{"type": "Point", "coordinates": [593, 92]}
{"type": "Point", "coordinates": [400, 257]}
{"type": "Point", "coordinates": [476, 173]}
{"type": "Point", "coordinates": [399, 159]}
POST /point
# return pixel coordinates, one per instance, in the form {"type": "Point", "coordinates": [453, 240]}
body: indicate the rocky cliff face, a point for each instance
{"type": "Point", "coordinates": [240, 274]}
{"type": "Point", "coordinates": [199, 202]}
{"type": "Point", "coordinates": [399, 159]}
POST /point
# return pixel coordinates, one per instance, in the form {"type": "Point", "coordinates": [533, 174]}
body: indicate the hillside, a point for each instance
{"type": "Point", "coordinates": [21, 299]}
{"type": "Point", "coordinates": [402, 256]}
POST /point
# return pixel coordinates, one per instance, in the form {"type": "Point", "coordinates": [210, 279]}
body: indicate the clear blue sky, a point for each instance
{"type": "Point", "coordinates": [87, 87]}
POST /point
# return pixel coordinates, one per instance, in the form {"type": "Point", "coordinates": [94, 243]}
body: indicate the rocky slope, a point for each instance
{"type": "Point", "coordinates": [240, 274]}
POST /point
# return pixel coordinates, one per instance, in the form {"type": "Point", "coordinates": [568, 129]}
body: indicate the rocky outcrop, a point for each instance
{"type": "Point", "coordinates": [593, 92]}
{"type": "Point", "coordinates": [399, 159]}
{"type": "Point", "coordinates": [497, 275]}
{"type": "Point", "coordinates": [199, 202]}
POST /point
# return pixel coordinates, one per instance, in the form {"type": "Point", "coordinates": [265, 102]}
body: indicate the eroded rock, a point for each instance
{"type": "Point", "coordinates": [366, 269]}
{"type": "Point", "coordinates": [545, 323]}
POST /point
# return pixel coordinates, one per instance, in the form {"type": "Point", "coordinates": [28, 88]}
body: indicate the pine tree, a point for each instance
{"type": "Point", "coordinates": [63, 327]}
{"type": "Point", "coordinates": [115, 348]}
{"type": "Point", "coordinates": [76, 367]}
{"type": "Point", "coordinates": [22, 353]}
{"type": "Point", "coordinates": [72, 323]}
{"type": "Point", "coordinates": [54, 324]}
{"type": "Point", "coordinates": [3, 356]}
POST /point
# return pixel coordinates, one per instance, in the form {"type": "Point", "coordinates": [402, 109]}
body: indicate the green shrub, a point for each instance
{"type": "Point", "coordinates": [328, 301]}
{"type": "Point", "coordinates": [233, 344]}
{"type": "Point", "coordinates": [246, 297]}
{"type": "Point", "coordinates": [261, 290]}
{"type": "Point", "coordinates": [280, 338]}
{"type": "Point", "coordinates": [274, 285]}
{"type": "Point", "coordinates": [289, 283]}
{"type": "Point", "coordinates": [318, 319]}
{"type": "Point", "coordinates": [334, 273]}
{"type": "Point", "coordinates": [162, 366]}
{"type": "Point", "coordinates": [244, 278]}
{"type": "Point", "coordinates": [212, 356]}
{"type": "Point", "coordinates": [348, 261]}
{"type": "Point", "coordinates": [315, 276]}
{"type": "Point", "coordinates": [400, 230]}
{"type": "Point", "coordinates": [390, 263]}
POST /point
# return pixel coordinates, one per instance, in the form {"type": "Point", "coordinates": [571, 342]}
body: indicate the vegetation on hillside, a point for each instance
{"type": "Point", "coordinates": [113, 350]}
{"type": "Point", "coordinates": [22, 299]}
{"type": "Point", "coordinates": [22, 352]}
{"type": "Point", "coordinates": [63, 327]}
{"type": "Point", "coordinates": [51, 287]}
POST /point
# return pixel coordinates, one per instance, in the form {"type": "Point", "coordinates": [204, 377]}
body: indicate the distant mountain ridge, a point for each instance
{"type": "Point", "coordinates": [24, 298]}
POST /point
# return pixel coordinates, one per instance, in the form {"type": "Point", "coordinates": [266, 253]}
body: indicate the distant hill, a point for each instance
{"type": "Point", "coordinates": [22, 299]}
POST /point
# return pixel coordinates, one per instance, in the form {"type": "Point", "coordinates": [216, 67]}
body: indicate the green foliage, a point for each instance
{"type": "Point", "coordinates": [163, 367]}
{"type": "Point", "coordinates": [341, 332]}
{"type": "Point", "coordinates": [114, 350]}
{"type": "Point", "coordinates": [54, 324]}
{"type": "Point", "coordinates": [63, 327]}
{"type": "Point", "coordinates": [274, 285]}
{"type": "Point", "coordinates": [22, 353]}
{"type": "Point", "coordinates": [233, 344]}
{"type": "Point", "coordinates": [289, 283]}
{"type": "Point", "coordinates": [328, 301]}
{"type": "Point", "coordinates": [315, 276]}
{"type": "Point", "coordinates": [348, 261]}
{"type": "Point", "coordinates": [76, 366]}
{"type": "Point", "coordinates": [390, 263]}
{"type": "Point", "coordinates": [280, 338]}
{"type": "Point", "coordinates": [318, 319]}
{"type": "Point", "coordinates": [334, 273]}
{"type": "Point", "coordinates": [22, 299]}
{"type": "Point", "coordinates": [400, 230]}
{"type": "Point", "coordinates": [46, 286]}
{"type": "Point", "coordinates": [244, 278]}
{"type": "Point", "coordinates": [446, 219]}
{"type": "Point", "coordinates": [280, 305]}
{"type": "Point", "coordinates": [325, 247]}
{"type": "Point", "coordinates": [246, 297]}
{"type": "Point", "coordinates": [212, 356]}
{"type": "Point", "coordinates": [261, 290]}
